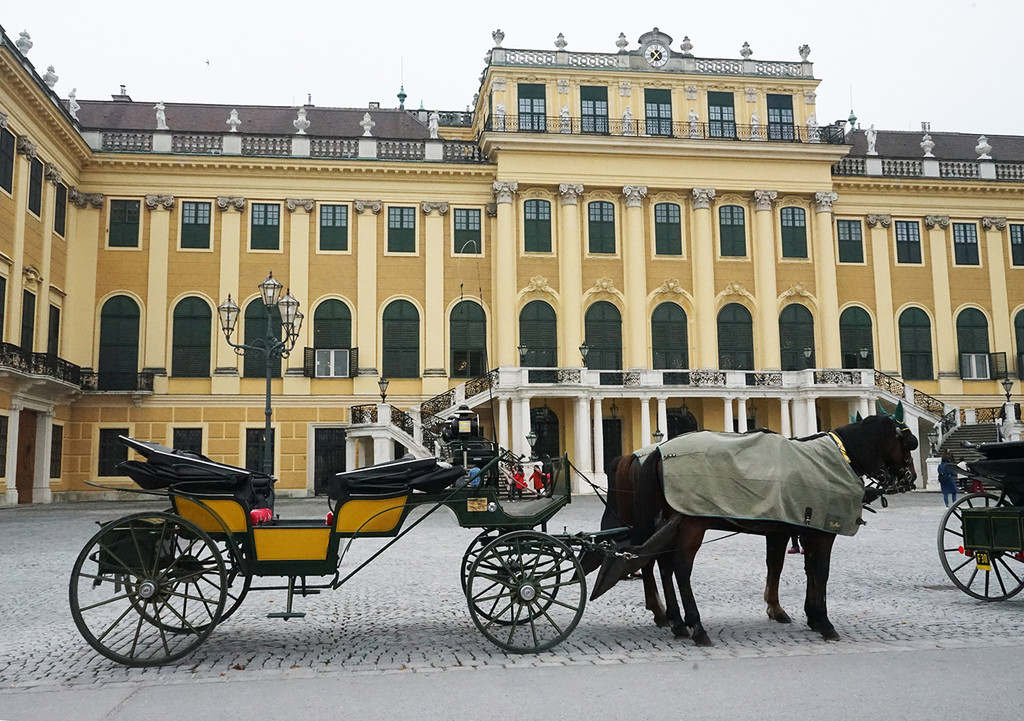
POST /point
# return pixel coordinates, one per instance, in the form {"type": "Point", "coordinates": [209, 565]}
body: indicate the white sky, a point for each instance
{"type": "Point", "coordinates": [950, 62]}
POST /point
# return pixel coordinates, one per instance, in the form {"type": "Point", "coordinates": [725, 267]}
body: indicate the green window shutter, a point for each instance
{"type": "Point", "coordinates": [735, 338]}
{"type": "Point", "coordinates": [266, 226]}
{"type": "Point", "coordinates": [467, 231]}
{"type": "Point", "coordinates": [6, 159]}
{"type": "Point", "coordinates": [593, 109]}
{"type": "Point", "coordinates": [60, 211]}
{"type": "Point", "coordinates": [1016, 244]}
{"type": "Point", "coordinates": [601, 227]}
{"type": "Point", "coordinates": [53, 332]}
{"type": "Point", "coordinates": [796, 332]}
{"type": "Point", "coordinates": [537, 226]}
{"type": "Point", "coordinates": [915, 345]}
{"type": "Point", "coordinates": [333, 227]}
{"type": "Point", "coordinates": [332, 325]}
{"type": "Point", "coordinates": [780, 117]}
{"type": "Point", "coordinates": [111, 451]}
{"type": "Point", "coordinates": [35, 186]}
{"type": "Point", "coordinates": [669, 345]}
{"type": "Point", "coordinates": [28, 321]}
{"type": "Point", "coordinates": [603, 328]}
{"type": "Point", "coordinates": [965, 243]}
{"type": "Point", "coordinates": [538, 332]}
{"type": "Point", "coordinates": [794, 233]}
{"type": "Point", "coordinates": [195, 225]}
{"type": "Point", "coordinates": [721, 115]}
{"type": "Point", "coordinates": [190, 352]}
{"type": "Point", "coordinates": [908, 242]}
{"type": "Point", "coordinates": [119, 344]}
{"type": "Point", "coordinates": [658, 111]}
{"type": "Point", "coordinates": [124, 224]}
{"type": "Point", "coordinates": [855, 336]}
{"type": "Point", "coordinates": [401, 230]}
{"type": "Point", "coordinates": [668, 238]}
{"type": "Point", "coordinates": [309, 362]}
{"type": "Point", "coordinates": [851, 241]}
{"type": "Point", "coordinates": [401, 340]}
{"type": "Point", "coordinates": [532, 109]}
{"type": "Point", "coordinates": [254, 365]}
{"type": "Point", "coordinates": [732, 230]}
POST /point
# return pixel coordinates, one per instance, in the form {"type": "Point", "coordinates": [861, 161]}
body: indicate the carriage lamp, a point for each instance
{"type": "Point", "coordinates": [863, 353]}
{"type": "Point", "coordinates": [383, 385]}
{"type": "Point", "coordinates": [289, 308]}
{"type": "Point", "coordinates": [1007, 386]}
{"type": "Point", "coordinates": [523, 350]}
{"type": "Point", "coordinates": [933, 439]}
{"type": "Point", "coordinates": [228, 312]}
{"type": "Point", "coordinates": [658, 435]}
{"type": "Point", "coordinates": [270, 290]}
{"type": "Point", "coordinates": [614, 410]}
{"type": "Point", "coordinates": [531, 438]}
{"type": "Point", "coordinates": [584, 349]}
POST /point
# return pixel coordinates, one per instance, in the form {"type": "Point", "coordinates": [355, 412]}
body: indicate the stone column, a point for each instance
{"type": "Point", "coordinates": [11, 472]}
{"type": "Point", "coordinates": [645, 421]}
{"type": "Point", "coordinates": [516, 441]}
{"type": "Point", "coordinates": [703, 265]}
{"type": "Point", "coordinates": [298, 283]}
{"type": "Point", "coordinates": [434, 375]}
{"type": "Point", "coordinates": [947, 366]}
{"type": "Point", "coordinates": [524, 413]}
{"type": "Point", "coordinates": [663, 417]}
{"type": "Point", "coordinates": [581, 425]}
{"type": "Point", "coordinates": [504, 282]}
{"type": "Point", "coordinates": [785, 417]}
{"type": "Point", "coordinates": [741, 415]}
{"type": "Point", "coordinates": [996, 245]}
{"type": "Point", "coordinates": [53, 175]}
{"type": "Point", "coordinates": [886, 351]}
{"type": "Point", "coordinates": [502, 422]}
{"type": "Point", "coordinates": [570, 276]}
{"type": "Point", "coordinates": [765, 281]}
{"type": "Point", "coordinates": [383, 448]}
{"type": "Point", "coordinates": [598, 414]}
{"type": "Point", "coordinates": [232, 209]}
{"type": "Point", "coordinates": [728, 417]}
{"type": "Point", "coordinates": [811, 417]}
{"type": "Point", "coordinates": [634, 261]}
{"type": "Point", "coordinates": [79, 318]}
{"type": "Point", "coordinates": [351, 458]}
{"type": "Point", "coordinates": [367, 212]}
{"type": "Point", "coordinates": [159, 207]}
{"type": "Point", "coordinates": [44, 439]}
{"type": "Point", "coordinates": [825, 280]}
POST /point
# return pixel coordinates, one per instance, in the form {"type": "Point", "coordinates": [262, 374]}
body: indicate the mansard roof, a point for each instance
{"type": "Point", "coordinates": [948, 146]}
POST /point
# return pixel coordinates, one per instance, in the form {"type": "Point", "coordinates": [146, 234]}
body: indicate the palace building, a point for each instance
{"type": "Point", "coordinates": [603, 250]}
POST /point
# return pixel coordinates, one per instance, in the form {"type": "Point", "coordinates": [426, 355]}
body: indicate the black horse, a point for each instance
{"type": "Point", "coordinates": [877, 447]}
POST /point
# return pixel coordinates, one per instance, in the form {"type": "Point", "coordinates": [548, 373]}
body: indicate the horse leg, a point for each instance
{"type": "Point", "coordinates": [817, 557]}
{"type": "Point", "coordinates": [691, 535]}
{"type": "Point", "coordinates": [651, 597]}
{"type": "Point", "coordinates": [672, 611]}
{"type": "Point", "coordinates": [775, 558]}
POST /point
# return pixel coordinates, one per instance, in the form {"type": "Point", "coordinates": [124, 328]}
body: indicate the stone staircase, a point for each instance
{"type": "Point", "coordinates": [975, 433]}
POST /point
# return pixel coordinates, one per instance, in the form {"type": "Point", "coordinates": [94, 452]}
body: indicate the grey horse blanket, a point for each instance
{"type": "Point", "coordinates": [763, 476]}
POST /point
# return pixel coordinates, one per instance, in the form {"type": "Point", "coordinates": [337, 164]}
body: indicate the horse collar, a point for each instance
{"type": "Point", "coordinates": [842, 448]}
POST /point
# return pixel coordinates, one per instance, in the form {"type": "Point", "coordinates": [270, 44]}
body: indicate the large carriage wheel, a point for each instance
{"type": "Point", "coordinates": [1006, 578]}
{"type": "Point", "coordinates": [485, 537]}
{"type": "Point", "coordinates": [148, 589]}
{"type": "Point", "coordinates": [526, 591]}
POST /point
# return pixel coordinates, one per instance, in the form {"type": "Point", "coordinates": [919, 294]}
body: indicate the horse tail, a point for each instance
{"type": "Point", "coordinates": [648, 498]}
{"type": "Point", "coordinates": [610, 518]}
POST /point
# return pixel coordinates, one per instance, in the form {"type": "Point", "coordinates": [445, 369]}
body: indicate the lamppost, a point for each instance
{"type": "Point", "coordinates": [584, 349]}
{"type": "Point", "coordinates": [658, 435]}
{"type": "Point", "coordinates": [531, 438]}
{"type": "Point", "coordinates": [383, 384]}
{"type": "Point", "coordinates": [933, 439]}
{"type": "Point", "coordinates": [1007, 385]}
{"type": "Point", "coordinates": [271, 346]}
{"type": "Point", "coordinates": [808, 352]}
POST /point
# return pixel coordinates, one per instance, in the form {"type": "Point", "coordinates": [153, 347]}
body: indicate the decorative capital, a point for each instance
{"type": "Point", "coordinates": [31, 275]}
{"type": "Point", "coordinates": [81, 200]}
{"type": "Point", "coordinates": [26, 147]}
{"type": "Point", "coordinates": [702, 198]}
{"type": "Point", "coordinates": [671, 286]}
{"type": "Point", "coordinates": [570, 192]}
{"type": "Point", "coordinates": [930, 221]}
{"type": "Point", "coordinates": [440, 206]}
{"type": "Point", "coordinates": [504, 190]}
{"type": "Point", "coordinates": [374, 206]}
{"type": "Point", "coordinates": [225, 202]}
{"type": "Point", "coordinates": [491, 209]}
{"type": "Point", "coordinates": [635, 195]}
{"type": "Point", "coordinates": [763, 199]}
{"type": "Point", "coordinates": [823, 201]}
{"type": "Point", "coordinates": [293, 204]}
{"type": "Point", "coordinates": [154, 202]}
{"type": "Point", "coordinates": [993, 223]}
{"type": "Point", "coordinates": [875, 219]}
{"type": "Point", "coordinates": [52, 173]}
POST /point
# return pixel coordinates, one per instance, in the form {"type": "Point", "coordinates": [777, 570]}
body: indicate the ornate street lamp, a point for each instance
{"type": "Point", "coordinates": [523, 350]}
{"type": "Point", "coordinates": [1007, 386]}
{"type": "Point", "coordinates": [658, 435]}
{"type": "Point", "coordinates": [584, 349]}
{"type": "Point", "coordinates": [383, 384]}
{"type": "Point", "coordinates": [531, 438]}
{"type": "Point", "coordinates": [271, 346]}
{"type": "Point", "coordinates": [614, 410]}
{"type": "Point", "coordinates": [933, 439]}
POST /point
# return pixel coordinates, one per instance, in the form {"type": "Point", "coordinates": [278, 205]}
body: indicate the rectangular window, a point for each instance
{"type": "Point", "coordinates": [1017, 244]}
{"type": "Point", "coordinates": [602, 227]}
{"type": "Point", "coordinates": [111, 451]}
{"type": "Point", "coordinates": [333, 227]}
{"type": "Point", "coordinates": [328, 456]}
{"type": "Point", "coordinates": [721, 116]}
{"type": "Point", "coordinates": [974, 367]}
{"type": "Point", "coordinates": [53, 332]}
{"type": "Point", "coordinates": [731, 228]}
{"type": "Point", "coordinates": [35, 187]}
{"type": "Point", "coordinates": [780, 117]}
{"type": "Point", "coordinates": [188, 439]}
{"type": "Point", "coordinates": [28, 320]}
{"type": "Point", "coordinates": [56, 450]}
{"type": "Point", "coordinates": [908, 241]}
{"type": "Point", "coordinates": [668, 236]}
{"type": "Point", "coordinates": [195, 224]}
{"type": "Point", "coordinates": [794, 233]}
{"type": "Point", "coordinates": [332, 362]}
{"type": "Point", "coordinates": [467, 232]}
{"type": "Point", "coordinates": [658, 111]}
{"type": "Point", "coordinates": [266, 226]}
{"type": "Point", "coordinates": [965, 243]}
{"type": "Point", "coordinates": [124, 223]}
{"type": "Point", "coordinates": [254, 450]}
{"type": "Point", "coordinates": [4, 422]}
{"type": "Point", "coordinates": [537, 226]}
{"type": "Point", "coordinates": [60, 211]}
{"type": "Point", "coordinates": [851, 241]}
{"type": "Point", "coordinates": [532, 109]}
{"type": "Point", "coordinates": [593, 109]}
{"type": "Point", "coordinates": [401, 230]}
{"type": "Point", "coordinates": [7, 160]}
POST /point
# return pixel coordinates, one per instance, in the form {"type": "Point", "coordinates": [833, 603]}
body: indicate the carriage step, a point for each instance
{"type": "Point", "coordinates": [287, 614]}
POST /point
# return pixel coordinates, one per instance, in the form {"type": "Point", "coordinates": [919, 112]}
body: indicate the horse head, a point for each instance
{"type": "Point", "coordinates": [888, 458]}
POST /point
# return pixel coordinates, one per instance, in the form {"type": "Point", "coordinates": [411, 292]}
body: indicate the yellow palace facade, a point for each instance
{"type": "Point", "coordinates": [605, 249]}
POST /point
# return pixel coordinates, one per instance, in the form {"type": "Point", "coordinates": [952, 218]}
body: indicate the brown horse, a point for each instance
{"type": "Point", "coordinates": [878, 447]}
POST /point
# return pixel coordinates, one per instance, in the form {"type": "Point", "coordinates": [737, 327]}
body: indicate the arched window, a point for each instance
{"type": "Point", "coordinates": [669, 348]}
{"type": "Point", "coordinates": [119, 345]}
{"type": "Point", "coordinates": [604, 336]}
{"type": "Point", "coordinates": [735, 338]}
{"type": "Point", "coordinates": [468, 334]}
{"type": "Point", "coordinates": [190, 347]}
{"type": "Point", "coordinates": [255, 363]}
{"type": "Point", "coordinates": [972, 343]}
{"type": "Point", "coordinates": [332, 325]}
{"type": "Point", "coordinates": [538, 333]}
{"type": "Point", "coordinates": [401, 340]}
{"type": "Point", "coordinates": [731, 230]}
{"type": "Point", "coordinates": [916, 345]}
{"type": "Point", "coordinates": [796, 331]}
{"type": "Point", "coordinates": [855, 340]}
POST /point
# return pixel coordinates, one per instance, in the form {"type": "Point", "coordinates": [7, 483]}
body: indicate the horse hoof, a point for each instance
{"type": "Point", "coordinates": [679, 630]}
{"type": "Point", "coordinates": [829, 634]}
{"type": "Point", "coordinates": [704, 641]}
{"type": "Point", "coordinates": [780, 616]}
{"type": "Point", "coordinates": [661, 620]}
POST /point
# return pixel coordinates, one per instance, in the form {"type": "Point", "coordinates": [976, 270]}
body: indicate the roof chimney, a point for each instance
{"type": "Point", "coordinates": [123, 97]}
{"type": "Point", "coordinates": [374, 106]}
{"type": "Point", "coordinates": [926, 126]}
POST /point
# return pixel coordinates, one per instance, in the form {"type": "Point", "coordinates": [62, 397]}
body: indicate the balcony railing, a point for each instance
{"type": "Point", "coordinates": [39, 364]}
{"type": "Point", "coordinates": [117, 381]}
{"type": "Point", "coordinates": [929, 168]}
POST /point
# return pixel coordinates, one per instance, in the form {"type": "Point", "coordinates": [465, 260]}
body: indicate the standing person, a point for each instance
{"type": "Point", "coordinates": [539, 486]}
{"type": "Point", "coordinates": [519, 480]}
{"type": "Point", "coordinates": [947, 478]}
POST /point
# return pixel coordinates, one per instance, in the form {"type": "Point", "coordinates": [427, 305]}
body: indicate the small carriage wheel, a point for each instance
{"type": "Point", "coordinates": [526, 591]}
{"type": "Point", "coordinates": [1006, 578]}
{"type": "Point", "coordinates": [148, 589]}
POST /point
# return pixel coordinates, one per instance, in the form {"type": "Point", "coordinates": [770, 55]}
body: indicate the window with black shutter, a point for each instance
{"type": "Point", "coordinates": [188, 439]}
{"type": "Point", "coordinates": [593, 109]}
{"type": "Point", "coordinates": [965, 243]}
{"type": "Point", "coordinates": [7, 156]}
{"type": "Point", "coordinates": [401, 340]}
{"type": "Point", "coordinates": [855, 340]}
{"type": "Point", "coordinates": [851, 241]}
{"type": "Point", "coordinates": [328, 456]}
{"type": "Point", "coordinates": [266, 226]}
{"type": "Point", "coordinates": [468, 339]}
{"type": "Point", "coordinates": [721, 115]}
{"type": "Point", "coordinates": [254, 449]}
{"type": "Point", "coordinates": [1016, 244]}
{"type": "Point", "coordinates": [195, 224]}
{"type": "Point", "coordinates": [333, 227]}
{"type": "Point", "coordinates": [796, 334]}
{"type": "Point", "coordinates": [124, 224]}
{"type": "Point", "coordinates": [111, 451]}
{"type": "Point", "coordinates": [668, 234]}
{"type": "Point", "coordinates": [53, 332]}
{"type": "Point", "coordinates": [603, 336]}
{"type": "Point", "coordinates": [794, 232]}
{"type": "Point", "coordinates": [60, 210]}
{"type": "Point", "coordinates": [35, 186]}
{"type": "Point", "coordinates": [538, 334]}
{"type": "Point", "coordinates": [658, 111]}
{"type": "Point", "coordinates": [254, 364]}
{"type": "Point", "coordinates": [780, 117]}
{"type": "Point", "coordinates": [28, 320]}
{"type": "Point", "coordinates": [56, 450]}
{"type": "Point", "coordinates": [467, 231]}
{"type": "Point", "coordinates": [908, 241]}
{"type": "Point", "coordinates": [735, 338]}
{"type": "Point", "coordinates": [537, 226]}
{"type": "Point", "coordinates": [732, 231]}
{"type": "Point", "coordinates": [972, 344]}
{"type": "Point", "coordinates": [916, 345]}
{"type": "Point", "coordinates": [669, 345]}
{"type": "Point", "coordinates": [190, 351]}
{"type": "Point", "coordinates": [119, 344]}
{"type": "Point", "coordinates": [401, 230]}
{"type": "Point", "coordinates": [332, 338]}
{"type": "Point", "coordinates": [601, 227]}
{"type": "Point", "coordinates": [532, 109]}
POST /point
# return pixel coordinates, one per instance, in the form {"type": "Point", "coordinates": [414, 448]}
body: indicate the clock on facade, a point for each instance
{"type": "Point", "coordinates": [656, 54]}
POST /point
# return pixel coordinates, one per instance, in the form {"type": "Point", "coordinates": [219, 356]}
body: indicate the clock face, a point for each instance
{"type": "Point", "coordinates": [656, 54]}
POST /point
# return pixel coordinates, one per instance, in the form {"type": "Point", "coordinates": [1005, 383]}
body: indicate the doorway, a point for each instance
{"type": "Point", "coordinates": [26, 466]}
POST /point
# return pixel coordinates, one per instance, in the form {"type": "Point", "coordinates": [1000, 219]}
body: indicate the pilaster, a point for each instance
{"type": "Point", "coordinates": [435, 377]}
{"type": "Point", "coordinates": [301, 210]}
{"type": "Point", "coordinates": [704, 278]}
{"type": "Point", "coordinates": [765, 280]}
{"type": "Point", "coordinates": [225, 375]}
{"type": "Point", "coordinates": [887, 344]}
{"type": "Point", "coordinates": [159, 207]}
{"type": "Point", "coordinates": [634, 260]}
{"type": "Point", "coordinates": [365, 244]}
{"type": "Point", "coordinates": [996, 242]}
{"type": "Point", "coordinates": [504, 274]}
{"type": "Point", "coordinates": [86, 216]}
{"type": "Point", "coordinates": [946, 365]}
{"type": "Point", "coordinates": [570, 271]}
{"type": "Point", "coordinates": [825, 280]}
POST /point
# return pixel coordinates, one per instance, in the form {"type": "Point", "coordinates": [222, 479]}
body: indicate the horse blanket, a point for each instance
{"type": "Point", "coordinates": [764, 477]}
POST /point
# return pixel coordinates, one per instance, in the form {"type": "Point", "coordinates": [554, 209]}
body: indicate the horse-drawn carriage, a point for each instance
{"type": "Point", "coordinates": [981, 537]}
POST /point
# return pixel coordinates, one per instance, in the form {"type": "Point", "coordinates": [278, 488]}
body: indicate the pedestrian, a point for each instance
{"type": "Point", "coordinates": [519, 479]}
{"type": "Point", "coordinates": [947, 478]}
{"type": "Point", "coordinates": [539, 485]}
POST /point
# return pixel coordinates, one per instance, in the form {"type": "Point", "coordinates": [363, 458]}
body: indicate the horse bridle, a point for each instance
{"type": "Point", "coordinates": [897, 480]}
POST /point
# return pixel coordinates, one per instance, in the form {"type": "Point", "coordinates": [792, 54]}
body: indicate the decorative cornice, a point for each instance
{"type": "Point", "coordinates": [763, 199]}
{"type": "Point", "coordinates": [491, 209]}
{"type": "Point", "coordinates": [374, 206]}
{"type": "Point", "coordinates": [52, 173]}
{"type": "Point", "coordinates": [876, 219]}
{"type": "Point", "coordinates": [991, 223]}
{"type": "Point", "coordinates": [635, 195]}
{"type": "Point", "coordinates": [225, 202]}
{"type": "Point", "coordinates": [539, 284]}
{"type": "Point", "coordinates": [155, 202]}
{"type": "Point", "coordinates": [440, 206]}
{"type": "Point", "coordinates": [702, 198]}
{"type": "Point", "coordinates": [930, 221]}
{"type": "Point", "coordinates": [31, 275]}
{"type": "Point", "coordinates": [570, 192]}
{"type": "Point", "coordinates": [504, 190]}
{"type": "Point", "coordinates": [735, 288]}
{"type": "Point", "coordinates": [671, 286]}
{"type": "Point", "coordinates": [81, 200]}
{"type": "Point", "coordinates": [293, 204]}
{"type": "Point", "coordinates": [823, 201]}
{"type": "Point", "coordinates": [604, 285]}
{"type": "Point", "coordinates": [26, 147]}
{"type": "Point", "coordinates": [794, 290]}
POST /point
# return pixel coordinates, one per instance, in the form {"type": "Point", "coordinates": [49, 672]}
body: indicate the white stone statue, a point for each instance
{"type": "Point", "coordinates": [50, 77]}
{"type": "Point", "coordinates": [367, 125]}
{"type": "Point", "coordinates": [813, 131]}
{"type": "Point", "coordinates": [565, 125]}
{"type": "Point", "coordinates": [497, 36]}
{"type": "Point", "coordinates": [301, 123]}
{"type": "Point", "coordinates": [755, 126]}
{"type": "Point", "coordinates": [983, 149]}
{"type": "Point", "coordinates": [499, 116]}
{"type": "Point", "coordinates": [233, 122]}
{"type": "Point", "coordinates": [694, 124]}
{"type": "Point", "coordinates": [926, 145]}
{"type": "Point", "coordinates": [805, 51]}
{"type": "Point", "coordinates": [627, 121]}
{"type": "Point", "coordinates": [872, 135]}
{"type": "Point", "coordinates": [161, 116]}
{"type": "Point", "coordinates": [24, 42]}
{"type": "Point", "coordinates": [73, 106]}
{"type": "Point", "coordinates": [434, 122]}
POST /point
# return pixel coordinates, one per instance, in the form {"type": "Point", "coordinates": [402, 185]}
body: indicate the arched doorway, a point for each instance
{"type": "Point", "coordinates": [119, 345]}
{"type": "Point", "coordinates": [545, 424]}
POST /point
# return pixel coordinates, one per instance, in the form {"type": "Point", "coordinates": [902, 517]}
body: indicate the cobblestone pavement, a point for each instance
{"type": "Point", "coordinates": [406, 611]}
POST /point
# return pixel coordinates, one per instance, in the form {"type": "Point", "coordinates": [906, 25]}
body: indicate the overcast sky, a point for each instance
{"type": "Point", "coordinates": [950, 62]}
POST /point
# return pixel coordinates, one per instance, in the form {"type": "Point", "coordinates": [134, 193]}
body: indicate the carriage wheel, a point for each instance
{"type": "Point", "coordinates": [1006, 578]}
{"type": "Point", "coordinates": [148, 589]}
{"type": "Point", "coordinates": [526, 591]}
{"type": "Point", "coordinates": [473, 551]}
